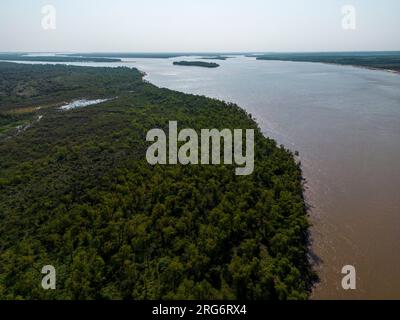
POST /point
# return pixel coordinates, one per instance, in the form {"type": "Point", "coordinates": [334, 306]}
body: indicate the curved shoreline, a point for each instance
{"type": "Point", "coordinates": [278, 244]}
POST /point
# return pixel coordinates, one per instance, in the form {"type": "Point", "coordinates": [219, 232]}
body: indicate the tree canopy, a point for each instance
{"type": "Point", "coordinates": [77, 193]}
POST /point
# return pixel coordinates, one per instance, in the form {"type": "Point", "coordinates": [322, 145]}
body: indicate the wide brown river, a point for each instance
{"type": "Point", "coordinates": [345, 122]}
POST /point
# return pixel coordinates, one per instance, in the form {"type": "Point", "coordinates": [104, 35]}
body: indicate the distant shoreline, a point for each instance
{"type": "Point", "coordinates": [343, 65]}
{"type": "Point", "coordinates": [389, 62]}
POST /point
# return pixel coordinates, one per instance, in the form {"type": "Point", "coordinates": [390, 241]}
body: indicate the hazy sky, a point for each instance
{"type": "Point", "coordinates": [201, 25]}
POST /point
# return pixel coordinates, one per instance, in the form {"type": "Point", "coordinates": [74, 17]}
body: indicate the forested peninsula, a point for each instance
{"type": "Point", "coordinates": [77, 193]}
{"type": "Point", "coordinates": [385, 60]}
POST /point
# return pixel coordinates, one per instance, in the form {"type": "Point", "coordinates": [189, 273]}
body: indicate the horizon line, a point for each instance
{"type": "Point", "coordinates": [199, 52]}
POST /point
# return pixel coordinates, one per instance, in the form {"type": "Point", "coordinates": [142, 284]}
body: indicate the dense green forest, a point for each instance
{"type": "Point", "coordinates": [389, 60]}
{"type": "Point", "coordinates": [27, 91]}
{"type": "Point", "coordinates": [77, 193]}
{"type": "Point", "coordinates": [196, 64]}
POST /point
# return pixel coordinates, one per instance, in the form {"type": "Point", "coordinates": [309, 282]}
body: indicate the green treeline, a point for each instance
{"type": "Point", "coordinates": [215, 58]}
{"type": "Point", "coordinates": [196, 64]}
{"type": "Point", "coordinates": [377, 60]}
{"type": "Point", "coordinates": [55, 58]}
{"type": "Point", "coordinates": [77, 193]}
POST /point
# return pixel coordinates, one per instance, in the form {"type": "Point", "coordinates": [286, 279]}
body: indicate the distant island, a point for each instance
{"type": "Point", "coordinates": [196, 64]}
{"type": "Point", "coordinates": [389, 60]}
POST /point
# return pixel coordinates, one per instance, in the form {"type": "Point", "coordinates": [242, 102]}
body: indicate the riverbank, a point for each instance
{"type": "Point", "coordinates": [386, 61]}
{"type": "Point", "coordinates": [169, 232]}
{"type": "Point", "coordinates": [344, 122]}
